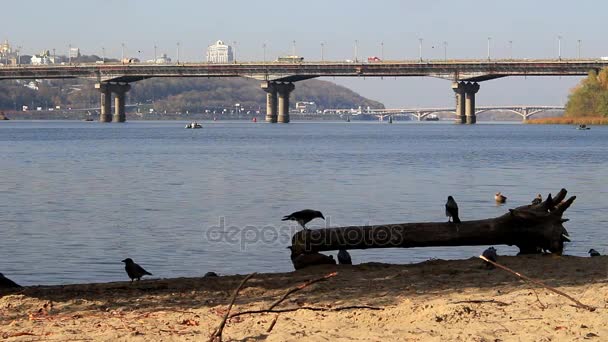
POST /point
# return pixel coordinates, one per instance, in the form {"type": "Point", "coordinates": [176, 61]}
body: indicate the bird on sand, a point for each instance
{"type": "Point", "coordinates": [490, 254]}
{"type": "Point", "coordinates": [6, 283]}
{"type": "Point", "coordinates": [500, 198]}
{"type": "Point", "coordinates": [303, 217]}
{"type": "Point", "coordinates": [210, 275]}
{"type": "Point", "coordinates": [310, 259]}
{"type": "Point", "coordinates": [134, 270]}
{"type": "Point", "coordinates": [537, 200]}
{"type": "Point", "coordinates": [594, 253]}
{"type": "Point", "coordinates": [344, 257]}
{"type": "Point", "coordinates": [451, 210]}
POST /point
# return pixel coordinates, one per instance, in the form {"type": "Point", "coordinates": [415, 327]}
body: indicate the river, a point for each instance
{"type": "Point", "coordinates": [78, 197]}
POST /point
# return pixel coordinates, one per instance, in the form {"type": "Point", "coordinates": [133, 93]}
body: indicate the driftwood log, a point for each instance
{"type": "Point", "coordinates": [532, 228]}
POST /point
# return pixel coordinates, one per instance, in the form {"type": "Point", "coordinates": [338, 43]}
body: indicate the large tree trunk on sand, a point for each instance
{"type": "Point", "coordinates": [532, 228]}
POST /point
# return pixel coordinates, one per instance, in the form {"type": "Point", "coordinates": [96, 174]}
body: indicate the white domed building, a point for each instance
{"type": "Point", "coordinates": [220, 53]}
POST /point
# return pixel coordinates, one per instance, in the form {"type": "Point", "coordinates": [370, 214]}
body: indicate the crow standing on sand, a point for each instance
{"type": "Point", "coordinates": [6, 283]}
{"type": "Point", "coordinates": [594, 253]}
{"type": "Point", "coordinates": [344, 257]}
{"type": "Point", "coordinates": [303, 216]}
{"type": "Point", "coordinates": [134, 270]}
{"type": "Point", "coordinates": [537, 200]}
{"type": "Point", "coordinates": [491, 255]}
{"type": "Point", "coordinates": [451, 210]}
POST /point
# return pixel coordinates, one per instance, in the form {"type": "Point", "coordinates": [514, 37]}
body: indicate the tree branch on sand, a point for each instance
{"type": "Point", "coordinates": [539, 283]}
{"type": "Point", "coordinates": [217, 334]}
{"type": "Point", "coordinates": [532, 228]}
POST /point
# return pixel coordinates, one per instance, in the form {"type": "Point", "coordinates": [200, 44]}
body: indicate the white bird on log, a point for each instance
{"type": "Point", "coordinates": [303, 216]}
{"type": "Point", "coordinates": [451, 210]}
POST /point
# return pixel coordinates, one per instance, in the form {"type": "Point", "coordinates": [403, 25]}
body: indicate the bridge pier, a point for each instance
{"type": "Point", "coordinates": [271, 101]}
{"type": "Point", "coordinates": [458, 88]}
{"type": "Point", "coordinates": [106, 102]}
{"type": "Point", "coordinates": [470, 90]}
{"type": "Point", "coordinates": [119, 91]}
{"type": "Point", "coordinates": [284, 89]}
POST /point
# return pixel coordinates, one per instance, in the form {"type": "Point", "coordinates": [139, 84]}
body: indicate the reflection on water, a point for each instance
{"type": "Point", "coordinates": [78, 197]}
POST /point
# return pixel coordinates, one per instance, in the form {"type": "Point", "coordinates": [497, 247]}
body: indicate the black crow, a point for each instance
{"type": "Point", "coordinates": [500, 198]}
{"type": "Point", "coordinates": [304, 216]}
{"type": "Point", "coordinates": [537, 200]}
{"type": "Point", "coordinates": [344, 257]}
{"type": "Point", "coordinates": [594, 253]}
{"type": "Point", "coordinates": [210, 275]}
{"type": "Point", "coordinates": [451, 210]}
{"type": "Point", "coordinates": [134, 270]}
{"type": "Point", "coordinates": [490, 254]}
{"type": "Point", "coordinates": [6, 283]}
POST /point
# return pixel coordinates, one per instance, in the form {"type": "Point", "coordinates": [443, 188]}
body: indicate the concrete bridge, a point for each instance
{"type": "Point", "coordinates": [525, 111]}
{"type": "Point", "coordinates": [278, 78]}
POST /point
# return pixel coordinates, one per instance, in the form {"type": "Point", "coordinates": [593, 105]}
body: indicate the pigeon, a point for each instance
{"type": "Point", "coordinates": [451, 210]}
{"type": "Point", "coordinates": [500, 198]}
{"type": "Point", "coordinates": [594, 253]}
{"type": "Point", "coordinates": [6, 283]}
{"type": "Point", "coordinates": [344, 257]}
{"type": "Point", "coordinates": [304, 216]}
{"type": "Point", "coordinates": [210, 275]}
{"type": "Point", "coordinates": [490, 254]}
{"type": "Point", "coordinates": [537, 200]}
{"type": "Point", "coordinates": [134, 270]}
{"type": "Point", "coordinates": [301, 261]}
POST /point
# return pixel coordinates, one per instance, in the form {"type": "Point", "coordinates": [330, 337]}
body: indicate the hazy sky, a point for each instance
{"type": "Point", "coordinates": [465, 25]}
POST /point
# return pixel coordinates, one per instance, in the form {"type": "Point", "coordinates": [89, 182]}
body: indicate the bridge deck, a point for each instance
{"type": "Point", "coordinates": [458, 70]}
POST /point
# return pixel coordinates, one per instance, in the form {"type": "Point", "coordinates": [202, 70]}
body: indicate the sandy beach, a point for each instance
{"type": "Point", "coordinates": [436, 300]}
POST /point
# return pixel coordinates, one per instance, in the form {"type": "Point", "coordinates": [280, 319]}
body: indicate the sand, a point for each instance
{"type": "Point", "coordinates": [420, 302]}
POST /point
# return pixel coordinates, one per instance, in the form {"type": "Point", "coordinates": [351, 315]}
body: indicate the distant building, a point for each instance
{"type": "Point", "coordinates": [5, 48]}
{"type": "Point", "coordinates": [74, 52]}
{"type": "Point", "coordinates": [163, 59]}
{"type": "Point", "coordinates": [220, 53]}
{"type": "Point", "coordinates": [306, 107]}
{"type": "Point", "coordinates": [43, 58]}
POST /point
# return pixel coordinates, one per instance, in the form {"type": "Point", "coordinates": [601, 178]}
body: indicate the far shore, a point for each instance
{"type": "Point", "coordinates": [583, 120]}
{"type": "Point", "coordinates": [437, 300]}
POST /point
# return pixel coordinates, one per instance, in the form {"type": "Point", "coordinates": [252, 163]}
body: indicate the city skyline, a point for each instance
{"type": "Point", "coordinates": [338, 30]}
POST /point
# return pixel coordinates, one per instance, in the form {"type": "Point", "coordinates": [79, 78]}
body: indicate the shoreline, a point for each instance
{"type": "Point", "coordinates": [433, 300]}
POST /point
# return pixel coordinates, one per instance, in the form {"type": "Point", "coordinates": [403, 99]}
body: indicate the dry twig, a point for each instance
{"type": "Point", "coordinates": [300, 287]}
{"type": "Point", "coordinates": [217, 334]}
{"type": "Point", "coordinates": [578, 304]}
{"type": "Point", "coordinates": [274, 321]}
{"type": "Point", "coordinates": [311, 308]}
{"type": "Point", "coordinates": [480, 301]}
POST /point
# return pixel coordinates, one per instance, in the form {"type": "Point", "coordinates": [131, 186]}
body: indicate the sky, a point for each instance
{"type": "Point", "coordinates": [532, 26]}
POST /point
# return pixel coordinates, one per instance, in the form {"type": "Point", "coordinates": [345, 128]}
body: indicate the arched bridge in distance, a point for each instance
{"type": "Point", "coordinates": [420, 113]}
{"type": "Point", "coordinates": [278, 78]}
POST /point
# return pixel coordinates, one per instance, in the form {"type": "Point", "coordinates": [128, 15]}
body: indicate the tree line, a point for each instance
{"type": "Point", "coordinates": [590, 96]}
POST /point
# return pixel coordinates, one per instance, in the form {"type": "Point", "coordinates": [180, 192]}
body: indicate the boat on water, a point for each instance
{"type": "Point", "coordinates": [431, 117]}
{"type": "Point", "coordinates": [194, 125]}
{"type": "Point", "coordinates": [583, 127]}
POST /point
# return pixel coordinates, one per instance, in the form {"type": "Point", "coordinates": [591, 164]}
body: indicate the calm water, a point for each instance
{"type": "Point", "coordinates": [78, 197]}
